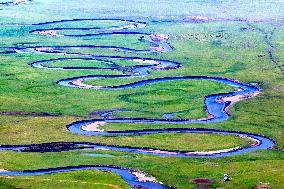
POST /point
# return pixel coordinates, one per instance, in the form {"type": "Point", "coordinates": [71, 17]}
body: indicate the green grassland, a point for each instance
{"type": "Point", "coordinates": [220, 49]}
{"type": "Point", "coordinates": [246, 170]}
{"type": "Point", "coordinates": [32, 127]}
{"type": "Point", "coordinates": [147, 9]}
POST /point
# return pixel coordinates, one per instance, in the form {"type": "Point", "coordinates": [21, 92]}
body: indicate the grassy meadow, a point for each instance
{"type": "Point", "coordinates": [225, 48]}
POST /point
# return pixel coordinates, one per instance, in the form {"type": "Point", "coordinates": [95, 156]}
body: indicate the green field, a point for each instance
{"type": "Point", "coordinates": [238, 50]}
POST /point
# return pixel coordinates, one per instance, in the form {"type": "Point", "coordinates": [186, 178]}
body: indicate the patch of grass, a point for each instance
{"type": "Point", "coordinates": [171, 171]}
{"type": "Point", "coordinates": [81, 179]}
{"type": "Point", "coordinates": [219, 49]}
{"type": "Point", "coordinates": [27, 130]}
{"type": "Point", "coordinates": [80, 63]}
{"type": "Point", "coordinates": [183, 142]}
{"type": "Point", "coordinates": [35, 90]}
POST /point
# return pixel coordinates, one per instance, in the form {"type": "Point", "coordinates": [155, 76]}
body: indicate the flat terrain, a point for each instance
{"type": "Point", "coordinates": [124, 81]}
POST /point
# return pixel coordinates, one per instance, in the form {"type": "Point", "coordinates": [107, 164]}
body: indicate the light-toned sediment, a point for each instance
{"type": "Point", "coordinates": [255, 141]}
{"type": "Point", "coordinates": [158, 49]}
{"type": "Point", "coordinates": [94, 126]}
{"type": "Point", "coordinates": [197, 19]}
{"type": "Point", "coordinates": [159, 37]}
{"type": "Point", "coordinates": [42, 49]}
{"type": "Point", "coordinates": [142, 177]}
{"type": "Point", "coordinates": [17, 2]}
{"type": "Point", "coordinates": [213, 152]}
{"type": "Point", "coordinates": [3, 170]}
{"type": "Point", "coordinates": [159, 152]}
{"type": "Point", "coordinates": [236, 98]}
{"type": "Point", "coordinates": [80, 83]}
{"type": "Point", "coordinates": [49, 32]}
{"type": "Point", "coordinates": [102, 149]}
{"type": "Point", "coordinates": [210, 116]}
{"type": "Point", "coordinates": [145, 61]}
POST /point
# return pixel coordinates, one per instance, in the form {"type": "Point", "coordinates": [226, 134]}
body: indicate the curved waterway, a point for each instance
{"type": "Point", "coordinates": [135, 178]}
{"type": "Point", "coordinates": [14, 2]}
{"type": "Point", "coordinates": [216, 105]}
